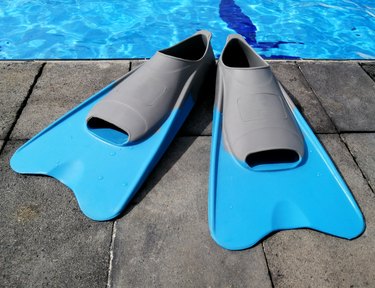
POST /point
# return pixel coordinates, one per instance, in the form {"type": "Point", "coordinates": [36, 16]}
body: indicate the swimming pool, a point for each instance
{"type": "Point", "coordinates": [100, 29]}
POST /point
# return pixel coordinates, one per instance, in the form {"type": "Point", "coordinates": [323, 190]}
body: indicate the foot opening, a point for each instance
{"type": "Point", "coordinates": [107, 131]}
{"type": "Point", "coordinates": [272, 157]}
{"type": "Point", "coordinates": [238, 55]}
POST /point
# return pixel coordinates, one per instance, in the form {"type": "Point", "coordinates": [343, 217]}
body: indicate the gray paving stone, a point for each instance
{"type": "Point", "coordinates": [164, 240]}
{"type": "Point", "coordinates": [293, 80]}
{"type": "Point", "coordinates": [369, 67]}
{"type": "Point", "coordinates": [61, 87]}
{"type": "Point", "coordinates": [305, 258]}
{"type": "Point", "coordinates": [346, 92]}
{"type": "Point", "coordinates": [44, 238]}
{"type": "Point", "coordinates": [15, 81]}
{"type": "Point", "coordinates": [362, 146]}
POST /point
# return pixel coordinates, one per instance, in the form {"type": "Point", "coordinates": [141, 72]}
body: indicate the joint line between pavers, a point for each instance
{"type": "Point", "coordinates": [268, 268]}
{"type": "Point", "coordinates": [367, 73]}
{"type": "Point", "coordinates": [317, 97]}
{"type": "Point", "coordinates": [356, 163]}
{"type": "Point", "coordinates": [111, 249]}
{"type": "Point", "coordinates": [23, 105]}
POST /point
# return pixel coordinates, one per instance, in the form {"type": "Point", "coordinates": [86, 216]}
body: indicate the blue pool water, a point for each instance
{"type": "Point", "coordinates": [93, 29]}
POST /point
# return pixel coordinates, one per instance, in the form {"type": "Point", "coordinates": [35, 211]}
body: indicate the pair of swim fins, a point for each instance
{"type": "Point", "coordinates": [268, 170]}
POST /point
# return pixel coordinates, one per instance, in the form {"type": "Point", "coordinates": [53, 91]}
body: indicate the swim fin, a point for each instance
{"type": "Point", "coordinates": [105, 148]}
{"type": "Point", "coordinates": [268, 171]}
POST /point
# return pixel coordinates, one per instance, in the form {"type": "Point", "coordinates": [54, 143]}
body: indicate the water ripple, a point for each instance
{"type": "Point", "coordinates": [81, 29]}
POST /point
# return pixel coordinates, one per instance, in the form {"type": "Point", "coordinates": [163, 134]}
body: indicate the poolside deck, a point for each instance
{"type": "Point", "coordinates": [162, 239]}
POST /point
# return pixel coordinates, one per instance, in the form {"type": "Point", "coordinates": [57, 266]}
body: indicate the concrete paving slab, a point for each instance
{"type": "Point", "coordinates": [305, 258]}
{"type": "Point", "coordinates": [346, 92]}
{"type": "Point", "coordinates": [369, 67]}
{"type": "Point", "coordinates": [61, 87]}
{"type": "Point", "coordinates": [293, 80]}
{"type": "Point", "coordinates": [15, 82]}
{"type": "Point", "coordinates": [362, 146]}
{"type": "Point", "coordinates": [45, 241]}
{"type": "Point", "coordinates": [164, 240]}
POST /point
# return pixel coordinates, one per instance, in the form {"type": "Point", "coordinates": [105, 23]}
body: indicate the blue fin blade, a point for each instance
{"type": "Point", "coordinates": [246, 205]}
{"type": "Point", "coordinates": [104, 177]}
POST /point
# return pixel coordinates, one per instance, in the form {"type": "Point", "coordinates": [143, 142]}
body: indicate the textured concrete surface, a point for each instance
{"type": "Point", "coordinates": [61, 87]}
{"type": "Point", "coordinates": [45, 241]}
{"type": "Point", "coordinates": [15, 82]}
{"type": "Point", "coordinates": [362, 146]}
{"type": "Point", "coordinates": [346, 91]}
{"type": "Point", "coordinates": [164, 240]}
{"type": "Point", "coordinates": [304, 258]}
{"type": "Point", "coordinates": [295, 83]}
